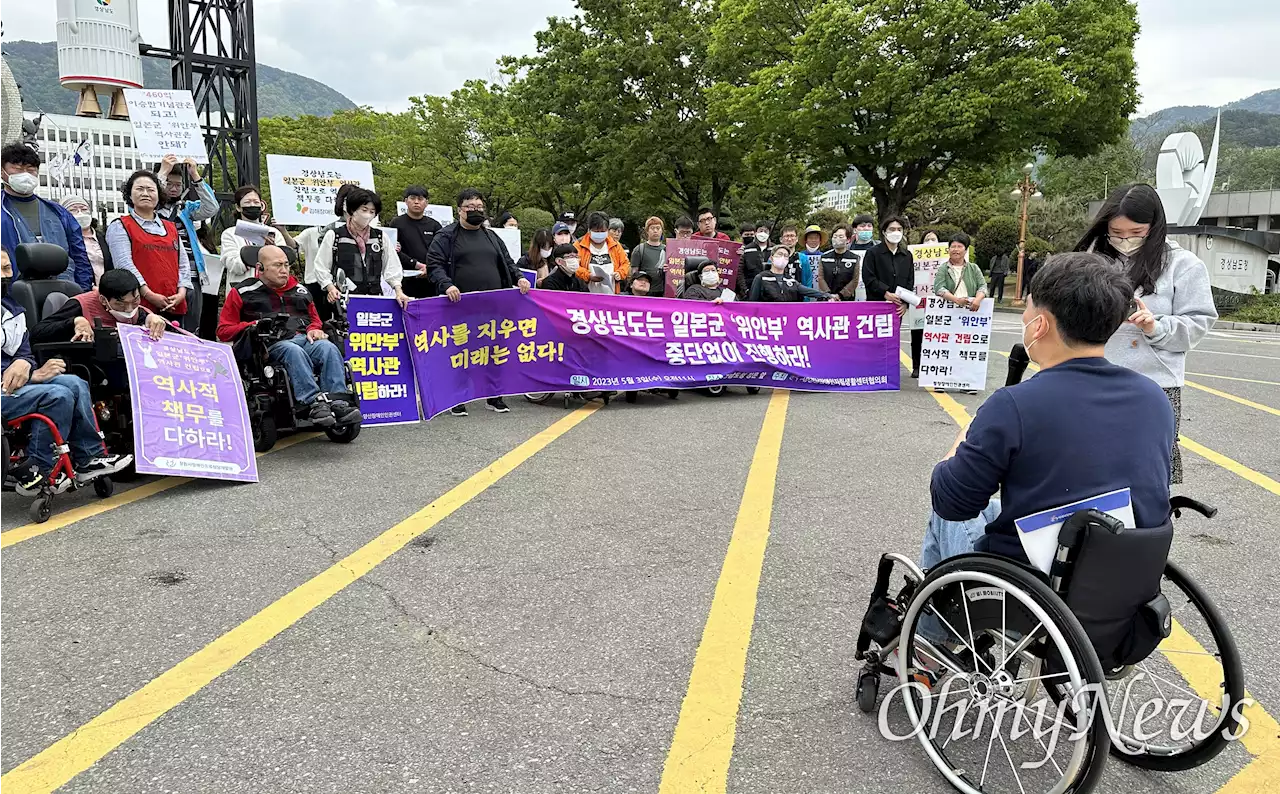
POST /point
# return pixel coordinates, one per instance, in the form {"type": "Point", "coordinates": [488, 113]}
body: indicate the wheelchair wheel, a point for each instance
{"type": "Point", "coordinates": [631, 396]}
{"type": "Point", "coordinates": [539, 397]}
{"type": "Point", "coordinates": [104, 487]}
{"type": "Point", "coordinates": [1195, 676]}
{"type": "Point", "coordinates": [713, 391]}
{"type": "Point", "coordinates": [343, 434]}
{"type": "Point", "coordinates": [753, 390]}
{"type": "Point", "coordinates": [264, 432]}
{"type": "Point", "coordinates": [41, 508]}
{"type": "Point", "coordinates": [985, 636]}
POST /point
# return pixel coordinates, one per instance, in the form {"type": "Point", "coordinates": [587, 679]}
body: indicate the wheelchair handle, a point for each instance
{"type": "Point", "coordinates": [1179, 503]}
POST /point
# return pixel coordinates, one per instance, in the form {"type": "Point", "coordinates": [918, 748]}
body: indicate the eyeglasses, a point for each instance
{"type": "Point", "coordinates": [465, 207]}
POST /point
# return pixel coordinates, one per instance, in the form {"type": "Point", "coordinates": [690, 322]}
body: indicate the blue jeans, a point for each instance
{"type": "Point", "coordinates": [944, 539]}
{"type": "Point", "coordinates": [65, 400]}
{"type": "Point", "coordinates": [300, 359]}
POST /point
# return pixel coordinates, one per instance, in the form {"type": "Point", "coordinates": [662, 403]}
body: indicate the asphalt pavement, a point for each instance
{"type": "Point", "coordinates": [551, 581]}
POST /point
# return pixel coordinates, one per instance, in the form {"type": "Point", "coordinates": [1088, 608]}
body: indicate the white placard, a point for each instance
{"type": "Point", "coordinates": [443, 213]}
{"type": "Point", "coordinates": [164, 122]}
{"type": "Point", "coordinates": [254, 233]}
{"type": "Point", "coordinates": [303, 189]}
{"type": "Point", "coordinates": [512, 238]}
{"type": "Point", "coordinates": [957, 343]}
{"type": "Point", "coordinates": [928, 258]}
{"type": "Point", "coordinates": [402, 208]}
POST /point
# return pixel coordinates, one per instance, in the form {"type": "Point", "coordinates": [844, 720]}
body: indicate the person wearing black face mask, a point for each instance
{"type": "Point", "coordinates": [467, 257]}
{"type": "Point", "coordinates": [250, 206]}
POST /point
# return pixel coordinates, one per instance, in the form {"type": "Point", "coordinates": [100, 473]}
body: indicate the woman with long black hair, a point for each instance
{"type": "Point", "coordinates": [538, 257]}
{"type": "Point", "coordinates": [1173, 306]}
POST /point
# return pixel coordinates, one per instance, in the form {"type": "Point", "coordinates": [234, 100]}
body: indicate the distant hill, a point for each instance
{"type": "Point", "coordinates": [1163, 122]}
{"type": "Point", "coordinates": [280, 93]}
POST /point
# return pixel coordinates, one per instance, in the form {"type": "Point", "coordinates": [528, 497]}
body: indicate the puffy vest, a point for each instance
{"type": "Point", "coordinates": [258, 301]}
{"type": "Point", "coordinates": [365, 271]}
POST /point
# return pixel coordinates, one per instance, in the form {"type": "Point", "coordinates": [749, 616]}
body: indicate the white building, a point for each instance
{"type": "Point", "coordinates": [108, 158]}
{"type": "Point", "coordinates": [837, 199]}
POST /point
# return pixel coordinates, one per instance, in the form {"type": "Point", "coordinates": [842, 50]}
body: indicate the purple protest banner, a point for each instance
{"type": "Point", "coordinates": [498, 343]}
{"type": "Point", "coordinates": [378, 355]}
{"type": "Point", "coordinates": [725, 254]}
{"type": "Point", "coordinates": [189, 413]}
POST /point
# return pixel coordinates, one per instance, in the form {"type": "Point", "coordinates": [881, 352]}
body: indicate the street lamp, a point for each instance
{"type": "Point", "coordinates": [1025, 192]}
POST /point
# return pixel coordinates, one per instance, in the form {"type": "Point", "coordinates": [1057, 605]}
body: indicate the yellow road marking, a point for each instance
{"type": "Point", "coordinates": [702, 745]}
{"type": "Point", "coordinates": [82, 748]}
{"type": "Point", "coordinates": [1262, 740]}
{"type": "Point", "coordinates": [29, 531]}
{"type": "Point", "coordinates": [1235, 467]}
{"type": "Point", "coordinates": [1233, 398]}
{"type": "Point", "coordinates": [1241, 380]}
{"type": "Point", "coordinates": [949, 404]}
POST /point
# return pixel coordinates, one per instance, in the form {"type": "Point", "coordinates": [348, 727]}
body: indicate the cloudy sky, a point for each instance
{"type": "Point", "coordinates": [1186, 55]}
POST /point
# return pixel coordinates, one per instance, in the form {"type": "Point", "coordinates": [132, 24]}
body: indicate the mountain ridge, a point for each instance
{"type": "Point", "coordinates": [1167, 120]}
{"type": "Point", "coordinates": [280, 92]}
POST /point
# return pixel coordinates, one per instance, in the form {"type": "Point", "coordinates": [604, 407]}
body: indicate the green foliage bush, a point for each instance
{"type": "Point", "coordinates": [1257, 309]}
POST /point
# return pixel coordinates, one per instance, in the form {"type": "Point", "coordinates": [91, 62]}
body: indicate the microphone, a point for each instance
{"type": "Point", "coordinates": [1018, 361]}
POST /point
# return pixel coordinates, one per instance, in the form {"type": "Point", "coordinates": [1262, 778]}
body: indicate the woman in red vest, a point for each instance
{"type": "Point", "coordinates": [149, 247]}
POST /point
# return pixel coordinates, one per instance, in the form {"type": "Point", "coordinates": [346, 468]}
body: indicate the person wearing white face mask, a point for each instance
{"type": "Point", "coordinates": [888, 267]}
{"type": "Point", "coordinates": [564, 271]}
{"type": "Point", "coordinates": [1172, 306]}
{"type": "Point", "coordinates": [708, 286]}
{"type": "Point", "coordinates": [95, 243]}
{"type": "Point", "coordinates": [775, 286]}
{"type": "Point", "coordinates": [598, 250]}
{"type": "Point", "coordinates": [115, 302]}
{"type": "Point", "coordinates": [538, 257]}
{"type": "Point", "coordinates": [1082, 427]}
{"type": "Point", "coordinates": [27, 218]}
{"type": "Point", "coordinates": [359, 249]}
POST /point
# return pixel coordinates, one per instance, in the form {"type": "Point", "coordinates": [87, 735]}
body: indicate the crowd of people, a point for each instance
{"type": "Point", "coordinates": [157, 244]}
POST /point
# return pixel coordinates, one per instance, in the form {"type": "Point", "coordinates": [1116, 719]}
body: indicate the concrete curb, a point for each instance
{"type": "Point", "coordinates": [1222, 325]}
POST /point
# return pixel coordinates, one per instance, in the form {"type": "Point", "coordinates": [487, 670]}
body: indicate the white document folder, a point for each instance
{"type": "Point", "coordinates": [1038, 532]}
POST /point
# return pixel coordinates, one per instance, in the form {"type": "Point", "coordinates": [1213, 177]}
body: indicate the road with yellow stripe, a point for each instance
{"type": "Point", "coordinates": [652, 597]}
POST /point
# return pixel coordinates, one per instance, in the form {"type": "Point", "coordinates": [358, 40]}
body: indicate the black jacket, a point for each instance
{"type": "Point", "coordinates": [697, 292]}
{"type": "Point", "coordinates": [840, 272]}
{"type": "Point", "coordinates": [557, 279]}
{"type": "Point", "coordinates": [772, 288]}
{"type": "Point", "coordinates": [753, 261]}
{"type": "Point", "coordinates": [883, 271]}
{"type": "Point", "coordinates": [440, 262]}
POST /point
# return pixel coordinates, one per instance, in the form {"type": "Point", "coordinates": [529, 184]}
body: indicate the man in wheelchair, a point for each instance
{"type": "Point", "coordinates": [275, 296]}
{"type": "Point", "coordinates": [115, 302]}
{"type": "Point", "coordinates": [48, 391]}
{"type": "Point", "coordinates": [1080, 428]}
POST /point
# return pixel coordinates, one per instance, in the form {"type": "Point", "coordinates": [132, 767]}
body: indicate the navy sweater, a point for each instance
{"type": "Point", "coordinates": [1080, 429]}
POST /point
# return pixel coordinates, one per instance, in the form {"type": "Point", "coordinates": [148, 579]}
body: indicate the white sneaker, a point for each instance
{"type": "Point", "coordinates": [101, 467]}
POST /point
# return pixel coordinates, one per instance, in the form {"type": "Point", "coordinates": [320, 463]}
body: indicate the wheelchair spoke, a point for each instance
{"type": "Point", "coordinates": [1196, 695]}
{"type": "Point", "coordinates": [933, 653]}
{"type": "Point", "coordinates": [1040, 678]}
{"type": "Point", "coordinates": [973, 646]}
{"type": "Point", "coordinates": [1012, 766]}
{"type": "Point", "coordinates": [1159, 691]}
{"type": "Point", "coordinates": [947, 623]}
{"type": "Point", "coordinates": [1190, 653]}
{"type": "Point", "coordinates": [1022, 715]}
{"type": "Point", "coordinates": [1025, 641]}
{"type": "Point", "coordinates": [990, 744]}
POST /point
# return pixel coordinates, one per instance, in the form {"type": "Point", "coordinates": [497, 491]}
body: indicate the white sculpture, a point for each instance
{"type": "Point", "coordinates": [1184, 178]}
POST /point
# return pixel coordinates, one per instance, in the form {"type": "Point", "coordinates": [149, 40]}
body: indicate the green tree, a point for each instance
{"type": "Point", "coordinates": [998, 235]}
{"type": "Point", "coordinates": [613, 109]}
{"type": "Point", "coordinates": [828, 218]}
{"type": "Point", "coordinates": [904, 90]}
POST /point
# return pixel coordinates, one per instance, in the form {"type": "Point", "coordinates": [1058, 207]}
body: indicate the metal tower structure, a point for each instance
{"type": "Point", "coordinates": [212, 51]}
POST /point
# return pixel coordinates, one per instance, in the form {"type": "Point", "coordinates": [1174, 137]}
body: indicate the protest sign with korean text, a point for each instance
{"type": "Point", "coordinates": [378, 355]}
{"type": "Point", "coordinates": [957, 343]}
{"type": "Point", "coordinates": [164, 122]}
{"type": "Point", "coordinates": [500, 342]}
{"type": "Point", "coordinates": [304, 189]}
{"type": "Point", "coordinates": [190, 417]}
{"type": "Point", "coordinates": [724, 253]}
{"type": "Point", "coordinates": [928, 258]}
